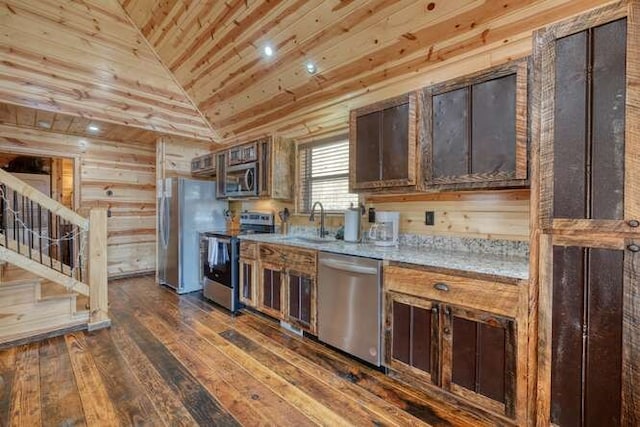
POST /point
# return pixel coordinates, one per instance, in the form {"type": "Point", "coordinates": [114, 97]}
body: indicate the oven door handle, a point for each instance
{"type": "Point", "coordinates": [223, 241]}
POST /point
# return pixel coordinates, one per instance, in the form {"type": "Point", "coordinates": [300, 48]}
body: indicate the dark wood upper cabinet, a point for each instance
{"type": "Point", "coordinates": [473, 130]}
{"type": "Point", "coordinates": [383, 144]}
{"type": "Point", "coordinates": [589, 149]}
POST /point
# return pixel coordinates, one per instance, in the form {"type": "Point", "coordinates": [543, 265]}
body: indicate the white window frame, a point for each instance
{"type": "Point", "coordinates": [302, 147]}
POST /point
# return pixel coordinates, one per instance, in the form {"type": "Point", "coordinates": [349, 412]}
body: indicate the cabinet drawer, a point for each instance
{"type": "Point", "coordinates": [289, 257]}
{"type": "Point", "coordinates": [302, 260]}
{"type": "Point", "coordinates": [248, 250]}
{"type": "Point", "coordinates": [272, 254]}
{"type": "Point", "coordinates": [485, 295]}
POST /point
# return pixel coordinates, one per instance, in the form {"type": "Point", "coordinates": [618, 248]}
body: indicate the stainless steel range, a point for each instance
{"type": "Point", "coordinates": [220, 253]}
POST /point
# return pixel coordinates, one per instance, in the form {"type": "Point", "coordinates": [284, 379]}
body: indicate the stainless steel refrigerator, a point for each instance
{"type": "Point", "coordinates": [186, 207]}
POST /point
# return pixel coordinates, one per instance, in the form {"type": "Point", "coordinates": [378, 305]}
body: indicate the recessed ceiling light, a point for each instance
{"type": "Point", "coordinates": [93, 128]}
{"type": "Point", "coordinates": [311, 67]}
{"type": "Point", "coordinates": [268, 50]}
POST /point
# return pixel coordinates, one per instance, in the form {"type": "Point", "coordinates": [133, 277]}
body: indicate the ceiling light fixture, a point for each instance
{"type": "Point", "coordinates": [44, 124]}
{"type": "Point", "coordinates": [311, 67]}
{"type": "Point", "coordinates": [93, 128]}
{"type": "Point", "coordinates": [268, 50]}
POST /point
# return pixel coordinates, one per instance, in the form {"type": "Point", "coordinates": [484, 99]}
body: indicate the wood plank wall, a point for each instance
{"type": "Point", "coordinates": [174, 155]}
{"type": "Point", "coordinates": [117, 175]}
{"type": "Point", "coordinates": [502, 214]}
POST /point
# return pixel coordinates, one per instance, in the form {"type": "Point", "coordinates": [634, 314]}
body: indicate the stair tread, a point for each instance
{"type": "Point", "coordinates": [18, 282]}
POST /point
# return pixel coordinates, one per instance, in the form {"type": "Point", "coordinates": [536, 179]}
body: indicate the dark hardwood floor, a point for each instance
{"type": "Point", "coordinates": [171, 360]}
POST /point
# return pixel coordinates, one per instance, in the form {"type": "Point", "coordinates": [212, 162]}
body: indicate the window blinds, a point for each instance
{"type": "Point", "coordinates": [324, 175]}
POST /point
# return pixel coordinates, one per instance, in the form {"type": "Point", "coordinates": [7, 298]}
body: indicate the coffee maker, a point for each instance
{"type": "Point", "coordinates": [384, 232]}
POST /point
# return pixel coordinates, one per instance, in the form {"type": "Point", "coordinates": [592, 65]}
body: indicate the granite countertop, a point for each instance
{"type": "Point", "coordinates": [472, 262]}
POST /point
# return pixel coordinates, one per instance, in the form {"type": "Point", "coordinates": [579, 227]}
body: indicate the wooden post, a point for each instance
{"type": "Point", "coordinates": [98, 297]}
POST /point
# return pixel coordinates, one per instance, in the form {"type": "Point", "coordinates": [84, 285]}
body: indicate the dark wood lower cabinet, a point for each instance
{"type": "Point", "coordinates": [587, 336]}
{"type": "Point", "coordinates": [479, 358]}
{"type": "Point", "coordinates": [301, 301]}
{"type": "Point", "coordinates": [412, 338]}
{"type": "Point", "coordinates": [247, 282]}
{"type": "Point", "coordinates": [271, 291]}
{"type": "Point", "coordinates": [468, 353]}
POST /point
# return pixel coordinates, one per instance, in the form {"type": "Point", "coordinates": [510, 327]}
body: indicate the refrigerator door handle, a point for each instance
{"type": "Point", "coordinates": [163, 222]}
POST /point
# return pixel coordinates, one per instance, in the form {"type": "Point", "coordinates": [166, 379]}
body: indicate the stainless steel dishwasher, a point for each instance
{"type": "Point", "coordinates": [350, 305]}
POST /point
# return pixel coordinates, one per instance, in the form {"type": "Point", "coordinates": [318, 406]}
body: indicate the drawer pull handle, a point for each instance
{"type": "Point", "coordinates": [633, 247]}
{"type": "Point", "coordinates": [441, 287]}
{"type": "Point", "coordinates": [633, 223]}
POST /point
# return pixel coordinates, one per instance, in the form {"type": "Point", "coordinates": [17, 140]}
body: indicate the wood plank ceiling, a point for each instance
{"type": "Point", "coordinates": [89, 58]}
{"type": "Point", "coordinates": [86, 58]}
{"type": "Point", "coordinates": [214, 48]}
{"type": "Point", "coordinates": [16, 115]}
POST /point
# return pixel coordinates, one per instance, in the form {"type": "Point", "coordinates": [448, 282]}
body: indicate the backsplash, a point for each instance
{"type": "Point", "coordinates": [465, 217]}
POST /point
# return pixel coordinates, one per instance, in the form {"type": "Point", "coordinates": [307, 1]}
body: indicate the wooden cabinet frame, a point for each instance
{"type": "Point", "coordinates": [252, 300]}
{"type": "Point", "coordinates": [291, 318]}
{"type": "Point", "coordinates": [399, 365]}
{"type": "Point", "coordinates": [549, 232]}
{"type": "Point", "coordinates": [483, 299]}
{"type": "Point", "coordinates": [517, 178]}
{"type": "Point", "coordinates": [278, 314]}
{"type": "Point", "coordinates": [544, 48]}
{"type": "Point", "coordinates": [412, 163]}
{"type": "Point", "coordinates": [287, 261]}
{"type": "Point", "coordinates": [508, 325]}
{"type": "Point", "coordinates": [630, 320]}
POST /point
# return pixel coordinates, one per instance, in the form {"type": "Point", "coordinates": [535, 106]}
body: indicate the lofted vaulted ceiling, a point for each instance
{"type": "Point", "coordinates": [87, 58]}
{"type": "Point", "coordinates": [121, 62]}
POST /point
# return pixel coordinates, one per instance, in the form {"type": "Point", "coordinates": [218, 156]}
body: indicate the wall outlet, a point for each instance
{"type": "Point", "coordinates": [429, 218]}
{"type": "Point", "coordinates": [372, 214]}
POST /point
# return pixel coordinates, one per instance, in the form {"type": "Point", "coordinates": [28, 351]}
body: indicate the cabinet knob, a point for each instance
{"type": "Point", "coordinates": [446, 331]}
{"type": "Point", "coordinates": [441, 287]}
{"type": "Point", "coordinates": [633, 247]}
{"type": "Point", "coordinates": [633, 223]}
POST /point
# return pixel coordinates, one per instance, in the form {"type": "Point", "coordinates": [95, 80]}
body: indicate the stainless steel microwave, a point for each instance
{"type": "Point", "coordinates": [242, 180]}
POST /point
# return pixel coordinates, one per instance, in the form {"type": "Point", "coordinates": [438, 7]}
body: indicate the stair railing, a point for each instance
{"type": "Point", "coordinates": [41, 229]}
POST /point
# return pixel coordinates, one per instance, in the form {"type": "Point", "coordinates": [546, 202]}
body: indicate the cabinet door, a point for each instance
{"type": "Point", "coordinates": [221, 177]}
{"type": "Point", "coordinates": [264, 167]}
{"type": "Point", "coordinates": [479, 358]}
{"type": "Point", "coordinates": [450, 142]}
{"type": "Point", "coordinates": [382, 145]}
{"type": "Point", "coordinates": [367, 148]}
{"type": "Point", "coordinates": [394, 141]}
{"type": "Point", "coordinates": [474, 130]}
{"type": "Point", "coordinates": [591, 351]}
{"type": "Point", "coordinates": [248, 288]}
{"type": "Point", "coordinates": [302, 303]}
{"type": "Point", "coordinates": [589, 81]}
{"type": "Point", "coordinates": [412, 336]}
{"type": "Point", "coordinates": [271, 291]}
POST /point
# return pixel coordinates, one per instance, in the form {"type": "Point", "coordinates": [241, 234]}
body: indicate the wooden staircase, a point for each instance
{"type": "Point", "coordinates": [43, 287]}
{"type": "Point", "coordinates": [25, 310]}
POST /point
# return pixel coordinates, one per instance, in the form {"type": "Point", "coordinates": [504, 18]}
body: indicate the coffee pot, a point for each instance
{"type": "Point", "coordinates": [384, 232]}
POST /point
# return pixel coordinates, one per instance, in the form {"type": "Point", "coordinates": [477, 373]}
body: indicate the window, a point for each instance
{"type": "Point", "coordinates": [324, 175]}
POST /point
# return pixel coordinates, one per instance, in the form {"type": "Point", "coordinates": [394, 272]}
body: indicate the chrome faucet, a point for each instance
{"type": "Point", "coordinates": [312, 217]}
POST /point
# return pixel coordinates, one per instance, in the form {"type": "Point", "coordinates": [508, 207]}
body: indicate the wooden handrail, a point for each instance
{"type": "Point", "coordinates": [32, 193]}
